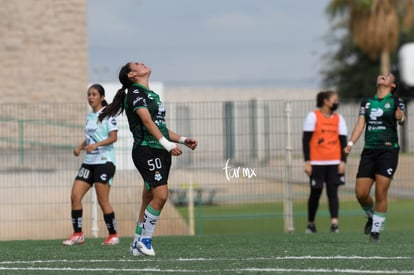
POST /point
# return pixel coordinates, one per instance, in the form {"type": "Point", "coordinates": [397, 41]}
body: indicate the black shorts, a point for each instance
{"type": "Point", "coordinates": [153, 165]}
{"type": "Point", "coordinates": [93, 173]}
{"type": "Point", "coordinates": [378, 161]}
{"type": "Point", "coordinates": [325, 174]}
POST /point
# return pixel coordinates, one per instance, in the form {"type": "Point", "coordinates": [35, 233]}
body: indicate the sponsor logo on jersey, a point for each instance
{"type": "Point", "coordinates": [376, 113]}
{"type": "Point", "coordinates": [138, 99]}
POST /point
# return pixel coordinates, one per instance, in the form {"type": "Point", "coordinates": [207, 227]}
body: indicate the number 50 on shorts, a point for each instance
{"type": "Point", "coordinates": [154, 163]}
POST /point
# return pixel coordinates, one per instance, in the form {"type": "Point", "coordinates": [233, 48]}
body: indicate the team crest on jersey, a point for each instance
{"type": "Point", "coordinates": [387, 105]}
{"type": "Point", "coordinates": [157, 176]}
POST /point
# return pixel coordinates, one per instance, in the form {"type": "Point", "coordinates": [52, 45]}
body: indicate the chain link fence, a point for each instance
{"type": "Point", "coordinates": [247, 169]}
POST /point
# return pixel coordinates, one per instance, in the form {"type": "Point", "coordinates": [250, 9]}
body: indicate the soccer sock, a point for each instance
{"type": "Point", "coordinates": [138, 231]}
{"type": "Point", "coordinates": [150, 219]}
{"type": "Point", "coordinates": [110, 222]}
{"type": "Point", "coordinates": [369, 210]}
{"type": "Point", "coordinates": [378, 220]}
{"type": "Point", "coordinates": [77, 220]}
{"type": "Point", "coordinates": [313, 203]}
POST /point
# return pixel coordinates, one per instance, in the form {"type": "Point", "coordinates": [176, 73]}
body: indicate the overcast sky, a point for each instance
{"type": "Point", "coordinates": [216, 42]}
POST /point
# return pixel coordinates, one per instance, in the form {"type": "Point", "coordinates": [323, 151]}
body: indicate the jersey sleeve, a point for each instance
{"type": "Point", "coordinates": [363, 107]}
{"type": "Point", "coordinates": [309, 123]}
{"type": "Point", "coordinates": [400, 104]}
{"type": "Point", "coordinates": [111, 124]}
{"type": "Point", "coordinates": [137, 99]}
{"type": "Point", "coordinates": [343, 129]}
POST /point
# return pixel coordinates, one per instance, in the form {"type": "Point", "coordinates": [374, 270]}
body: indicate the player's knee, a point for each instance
{"type": "Point", "coordinates": [75, 198]}
{"type": "Point", "coordinates": [159, 201]}
{"type": "Point", "coordinates": [104, 203]}
{"type": "Point", "coordinates": [361, 196]}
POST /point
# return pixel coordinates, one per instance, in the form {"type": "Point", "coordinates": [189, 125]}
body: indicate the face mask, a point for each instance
{"type": "Point", "coordinates": [334, 106]}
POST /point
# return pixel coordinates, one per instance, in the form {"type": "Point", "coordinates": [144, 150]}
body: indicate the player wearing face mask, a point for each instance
{"type": "Point", "coordinates": [324, 137]}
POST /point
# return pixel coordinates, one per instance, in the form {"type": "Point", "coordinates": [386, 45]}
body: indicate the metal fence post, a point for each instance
{"type": "Point", "coordinates": [287, 190]}
{"type": "Point", "coordinates": [229, 143]}
{"type": "Point", "coordinates": [21, 141]}
{"type": "Point", "coordinates": [253, 128]}
{"type": "Point", "coordinates": [94, 213]}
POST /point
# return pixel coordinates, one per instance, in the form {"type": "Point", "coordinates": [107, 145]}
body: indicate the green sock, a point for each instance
{"type": "Point", "coordinates": [138, 231]}
{"type": "Point", "coordinates": [369, 210]}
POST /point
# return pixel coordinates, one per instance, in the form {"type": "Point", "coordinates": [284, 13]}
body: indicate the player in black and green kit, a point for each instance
{"type": "Point", "coordinates": [379, 117]}
{"type": "Point", "coordinates": [153, 146]}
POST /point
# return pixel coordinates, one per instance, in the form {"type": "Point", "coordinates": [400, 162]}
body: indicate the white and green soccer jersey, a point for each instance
{"type": "Point", "coordinates": [96, 132]}
{"type": "Point", "coordinates": [381, 124]}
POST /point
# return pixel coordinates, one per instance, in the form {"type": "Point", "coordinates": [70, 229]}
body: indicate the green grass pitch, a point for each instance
{"type": "Point", "coordinates": [298, 253]}
{"type": "Point", "coordinates": [242, 245]}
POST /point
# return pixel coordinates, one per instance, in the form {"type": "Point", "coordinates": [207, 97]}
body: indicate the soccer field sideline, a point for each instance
{"type": "Point", "coordinates": [31, 265]}
{"type": "Point", "coordinates": [297, 253]}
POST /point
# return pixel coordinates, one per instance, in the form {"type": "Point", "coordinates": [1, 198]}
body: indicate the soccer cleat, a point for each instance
{"type": "Point", "coordinates": [310, 229]}
{"type": "Point", "coordinates": [76, 238]}
{"type": "Point", "coordinates": [368, 226]}
{"type": "Point", "coordinates": [334, 228]}
{"type": "Point", "coordinates": [134, 251]}
{"type": "Point", "coordinates": [145, 247]}
{"type": "Point", "coordinates": [374, 237]}
{"type": "Point", "coordinates": [112, 239]}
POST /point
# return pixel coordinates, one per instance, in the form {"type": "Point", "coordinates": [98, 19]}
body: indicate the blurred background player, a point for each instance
{"type": "Point", "coordinates": [378, 116]}
{"type": "Point", "coordinates": [97, 168]}
{"type": "Point", "coordinates": [153, 146]}
{"type": "Point", "coordinates": [324, 137]}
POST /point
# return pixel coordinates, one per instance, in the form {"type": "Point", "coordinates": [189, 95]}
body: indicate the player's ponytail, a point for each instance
{"type": "Point", "coordinates": [396, 88]}
{"type": "Point", "coordinates": [117, 106]}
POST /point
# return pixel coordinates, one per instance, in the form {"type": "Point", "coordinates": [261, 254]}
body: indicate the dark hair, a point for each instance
{"type": "Point", "coordinates": [396, 88]}
{"type": "Point", "coordinates": [321, 96]}
{"type": "Point", "coordinates": [117, 106]}
{"type": "Point", "coordinates": [100, 90]}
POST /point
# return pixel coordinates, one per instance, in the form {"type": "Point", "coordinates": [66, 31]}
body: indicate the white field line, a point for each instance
{"type": "Point", "coordinates": [100, 270]}
{"type": "Point", "coordinates": [253, 270]}
{"type": "Point", "coordinates": [323, 270]}
{"type": "Point", "coordinates": [150, 259]}
{"type": "Point", "coordinates": [169, 270]}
